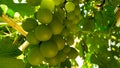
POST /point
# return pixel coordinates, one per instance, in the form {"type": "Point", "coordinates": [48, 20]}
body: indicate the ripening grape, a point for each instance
{"type": "Point", "coordinates": [44, 16]}
{"type": "Point", "coordinates": [69, 6]}
{"type": "Point", "coordinates": [47, 4]}
{"type": "Point", "coordinates": [33, 2]}
{"type": "Point", "coordinates": [29, 24]}
{"type": "Point", "coordinates": [43, 33]}
{"type": "Point", "coordinates": [49, 49]}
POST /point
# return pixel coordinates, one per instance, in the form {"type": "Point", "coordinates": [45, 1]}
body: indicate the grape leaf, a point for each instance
{"type": "Point", "coordinates": [6, 62]}
{"type": "Point", "coordinates": [8, 49]}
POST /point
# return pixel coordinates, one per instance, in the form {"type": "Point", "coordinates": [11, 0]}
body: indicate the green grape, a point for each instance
{"type": "Point", "coordinates": [61, 56]}
{"type": "Point", "coordinates": [58, 2]}
{"type": "Point", "coordinates": [49, 49]}
{"type": "Point", "coordinates": [65, 32]}
{"type": "Point", "coordinates": [71, 16]}
{"type": "Point", "coordinates": [43, 33]}
{"type": "Point", "coordinates": [44, 16]}
{"type": "Point", "coordinates": [69, 6]}
{"type": "Point", "coordinates": [66, 49]}
{"type": "Point", "coordinates": [60, 41]}
{"type": "Point", "coordinates": [54, 61]}
{"type": "Point", "coordinates": [31, 38]}
{"type": "Point", "coordinates": [29, 24]}
{"type": "Point", "coordinates": [34, 56]}
{"type": "Point", "coordinates": [73, 53]}
{"type": "Point", "coordinates": [59, 14]}
{"type": "Point", "coordinates": [76, 20]}
{"type": "Point", "coordinates": [47, 4]}
{"type": "Point", "coordinates": [33, 2]}
{"type": "Point", "coordinates": [56, 27]}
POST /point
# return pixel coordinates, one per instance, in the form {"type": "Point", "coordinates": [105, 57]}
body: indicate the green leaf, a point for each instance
{"type": "Point", "coordinates": [10, 13]}
{"type": "Point", "coordinates": [23, 8]}
{"type": "Point", "coordinates": [88, 24]}
{"type": "Point", "coordinates": [8, 49]}
{"type": "Point", "coordinates": [6, 62]}
{"type": "Point", "coordinates": [1, 11]}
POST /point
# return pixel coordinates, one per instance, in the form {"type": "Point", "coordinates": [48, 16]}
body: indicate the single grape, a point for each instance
{"type": "Point", "coordinates": [34, 56]}
{"type": "Point", "coordinates": [44, 16]}
{"type": "Point", "coordinates": [66, 49]}
{"type": "Point", "coordinates": [47, 4]}
{"type": "Point", "coordinates": [31, 38]}
{"type": "Point", "coordinates": [29, 24]}
{"type": "Point", "coordinates": [49, 49]}
{"type": "Point", "coordinates": [69, 6]}
{"type": "Point", "coordinates": [65, 32]}
{"type": "Point", "coordinates": [43, 33]}
{"type": "Point", "coordinates": [56, 27]}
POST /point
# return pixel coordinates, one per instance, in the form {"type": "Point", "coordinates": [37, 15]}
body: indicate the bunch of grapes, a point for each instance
{"type": "Point", "coordinates": [51, 31]}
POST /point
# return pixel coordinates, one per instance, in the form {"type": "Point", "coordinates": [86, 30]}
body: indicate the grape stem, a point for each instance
{"type": "Point", "coordinates": [17, 27]}
{"type": "Point", "coordinates": [14, 25]}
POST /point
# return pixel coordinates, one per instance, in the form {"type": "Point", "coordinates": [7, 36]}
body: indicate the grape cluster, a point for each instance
{"type": "Point", "coordinates": [52, 31]}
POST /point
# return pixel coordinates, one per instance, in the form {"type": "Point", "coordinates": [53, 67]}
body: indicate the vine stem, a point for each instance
{"type": "Point", "coordinates": [17, 27]}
